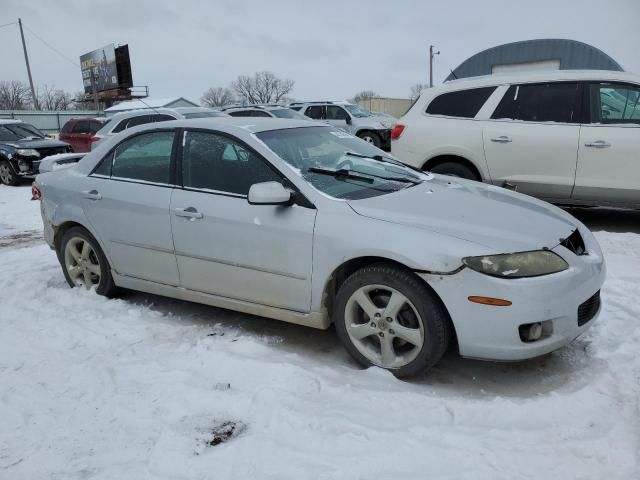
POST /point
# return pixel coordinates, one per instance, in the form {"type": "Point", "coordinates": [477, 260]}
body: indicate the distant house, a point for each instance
{"type": "Point", "coordinates": [150, 103]}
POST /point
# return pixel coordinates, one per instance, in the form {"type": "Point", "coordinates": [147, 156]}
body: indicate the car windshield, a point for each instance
{"type": "Point", "coordinates": [203, 114]}
{"type": "Point", "coordinates": [339, 164]}
{"type": "Point", "coordinates": [356, 110]}
{"type": "Point", "coordinates": [19, 131]}
{"type": "Point", "coordinates": [288, 113]}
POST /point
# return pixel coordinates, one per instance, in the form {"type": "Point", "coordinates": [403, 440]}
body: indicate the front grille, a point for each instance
{"type": "Point", "coordinates": [45, 152]}
{"type": "Point", "coordinates": [575, 243]}
{"type": "Point", "coordinates": [588, 309]}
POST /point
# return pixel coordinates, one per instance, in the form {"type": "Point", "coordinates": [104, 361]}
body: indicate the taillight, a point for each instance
{"type": "Point", "coordinates": [396, 131]}
{"type": "Point", "coordinates": [35, 191]}
{"type": "Point", "coordinates": [94, 139]}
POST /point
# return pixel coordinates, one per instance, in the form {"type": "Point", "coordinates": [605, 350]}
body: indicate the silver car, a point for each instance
{"type": "Point", "coordinates": [308, 224]}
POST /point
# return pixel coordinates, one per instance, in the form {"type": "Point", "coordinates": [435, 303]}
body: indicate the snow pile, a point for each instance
{"type": "Point", "coordinates": [132, 388]}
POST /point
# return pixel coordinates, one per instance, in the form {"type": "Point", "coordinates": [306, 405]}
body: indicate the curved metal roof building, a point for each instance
{"type": "Point", "coordinates": [541, 54]}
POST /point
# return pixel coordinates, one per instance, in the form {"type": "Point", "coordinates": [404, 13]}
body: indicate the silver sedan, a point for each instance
{"type": "Point", "coordinates": [308, 224]}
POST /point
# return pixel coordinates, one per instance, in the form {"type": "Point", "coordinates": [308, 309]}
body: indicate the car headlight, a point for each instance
{"type": "Point", "coordinates": [518, 265]}
{"type": "Point", "coordinates": [27, 152]}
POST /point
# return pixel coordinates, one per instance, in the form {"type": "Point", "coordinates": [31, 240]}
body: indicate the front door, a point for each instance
{"type": "Point", "coordinates": [227, 247]}
{"type": "Point", "coordinates": [338, 117]}
{"type": "Point", "coordinates": [609, 152]}
{"type": "Point", "coordinates": [127, 201]}
{"type": "Point", "coordinates": [531, 140]}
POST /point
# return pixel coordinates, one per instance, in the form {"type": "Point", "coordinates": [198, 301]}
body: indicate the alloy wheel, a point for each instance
{"type": "Point", "coordinates": [6, 175]}
{"type": "Point", "coordinates": [384, 326]}
{"type": "Point", "coordinates": [81, 263]}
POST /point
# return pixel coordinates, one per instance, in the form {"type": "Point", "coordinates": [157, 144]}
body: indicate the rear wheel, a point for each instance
{"type": "Point", "coordinates": [7, 175]}
{"type": "Point", "coordinates": [370, 137]}
{"type": "Point", "coordinates": [84, 263]}
{"type": "Point", "coordinates": [454, 169]}
{"type": "Point", "coordinates": [386, 316]}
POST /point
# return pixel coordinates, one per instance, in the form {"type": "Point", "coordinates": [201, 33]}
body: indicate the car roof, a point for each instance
{"type": "Point", "coordinates": [250, 124]}
{"type": "Point", "coordinates": [142, 111]}
{"type": "Point", "coordinates": [9, 121]}
{"type": "Point", "coordinates": [538, 76]}
{"type": "Point", "coordinates": [193, 109]}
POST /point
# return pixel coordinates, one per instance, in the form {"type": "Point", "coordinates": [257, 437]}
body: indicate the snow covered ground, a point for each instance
{"type": "Point", "coordinates": [92, 388]}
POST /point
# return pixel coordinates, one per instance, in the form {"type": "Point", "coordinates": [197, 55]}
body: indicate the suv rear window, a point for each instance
{"type": "Point", "coordinates": [463, 104]}
{"type": "Point", "coordinates": [541, 102]}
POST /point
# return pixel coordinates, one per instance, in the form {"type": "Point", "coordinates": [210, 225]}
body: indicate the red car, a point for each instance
{"type": "Point", "coordinates": [80, 132]}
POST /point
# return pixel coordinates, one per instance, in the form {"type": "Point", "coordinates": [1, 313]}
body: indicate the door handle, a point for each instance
{"type": "Point", "coordinates": [598, 144]}
{"type": "Point", "coordinates": [189, 212]}
{"type": "Point", "coordinates": [501, 139]}
{"type": "Point", "coordinates": [92, 194]}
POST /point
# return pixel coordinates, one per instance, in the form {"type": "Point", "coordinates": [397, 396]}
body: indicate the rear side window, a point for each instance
{"type": "Point", "coordinates": [145, 157]}
{"type": "Point", "coordinates": [315, 112]}
{"type": "Point", "coordinates": [615, 103]}
{"type": "Point", "coordinates": [140, 120]}
{"type": "Point", "coordinates": [541, 102]}
{"type": "Point", "coordinates": [240, 113]}
{"type": "Point", "coordinates": [258, 113]}
{"type": "Point", "coordinates": [463, 104]}
{"type": "Point", "coordinates": [161, 117]}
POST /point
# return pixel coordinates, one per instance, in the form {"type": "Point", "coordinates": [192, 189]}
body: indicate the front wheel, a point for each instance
{"type": "Point", "coordinates": [386, 316]}
{"type": "Point", "coordinates": [454, 169]}
{"type": "Point", "coordinates": [84, 263]}
{"type": "Point", "coordinates": [370, 137]}
{"type": "Point", "coordinates": [7, 175]}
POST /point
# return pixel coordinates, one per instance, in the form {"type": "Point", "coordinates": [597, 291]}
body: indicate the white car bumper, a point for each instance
{"type": "Point", "coordinates": [492, 332]}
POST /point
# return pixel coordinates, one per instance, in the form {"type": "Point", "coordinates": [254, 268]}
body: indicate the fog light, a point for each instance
{"type": "Point", "coordinates": [531, 332]}
{"type": "Point", "coordinates": [23, 165]}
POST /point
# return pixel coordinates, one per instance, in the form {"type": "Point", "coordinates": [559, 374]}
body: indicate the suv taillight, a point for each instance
{"type": "Point", "coordinates": [35, 192]}
{"type": "Point", "coordinates": [396, 131]}
{"type": "Point", "coordinates": [94, 138]}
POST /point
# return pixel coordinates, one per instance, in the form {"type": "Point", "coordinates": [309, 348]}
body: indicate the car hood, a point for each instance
{"type": "Point", "coordinates": [500, 220]}
{"type": "Point", "coordinates": [39, 143]}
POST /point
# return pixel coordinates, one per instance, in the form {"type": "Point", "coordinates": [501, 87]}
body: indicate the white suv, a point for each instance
{"type": "Point", "coordinates": [569, 137]}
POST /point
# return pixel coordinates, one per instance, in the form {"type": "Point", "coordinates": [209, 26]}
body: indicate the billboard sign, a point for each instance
{"type": "Point", "coordinates": [100, 63]}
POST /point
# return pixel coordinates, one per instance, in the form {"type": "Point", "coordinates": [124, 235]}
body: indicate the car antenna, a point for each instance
{"type": "Point", "coordinates": [149, 106]}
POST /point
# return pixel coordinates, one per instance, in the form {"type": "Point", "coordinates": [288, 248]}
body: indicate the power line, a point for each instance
{"type": "Point", "coordinates": [52, 47]}
{"type": "Point", "coordinates": [8, 24]}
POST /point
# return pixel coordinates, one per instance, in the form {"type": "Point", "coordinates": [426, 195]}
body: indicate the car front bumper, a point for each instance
{"type": "Point", "coordinates": [492, 332]}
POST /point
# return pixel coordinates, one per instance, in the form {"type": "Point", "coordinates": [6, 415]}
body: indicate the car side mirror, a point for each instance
{"type": "Point", "coordinates": [348, 120]}
{"type": "Point", "coordinates": [269, 193]}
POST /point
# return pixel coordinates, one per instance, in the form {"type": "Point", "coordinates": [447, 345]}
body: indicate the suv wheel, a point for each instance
{"type": "Point", "coordinates": [386, 316]}
{"type": "Point", "coordinates": [84, 263]}
{"type": "Point", "coordinates": [7, 175]}
{"type": "Point", "coordinates": [454, 169]}
{"type": "Point", "coordinates": [370, 137]}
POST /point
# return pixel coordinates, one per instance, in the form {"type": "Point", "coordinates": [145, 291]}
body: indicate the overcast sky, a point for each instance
{"type": "Point", "coordinates": [332, 49]}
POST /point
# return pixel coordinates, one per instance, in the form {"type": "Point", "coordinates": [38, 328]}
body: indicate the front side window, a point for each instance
{"type": "Point", "coordinates": [240, 113]}
{"type": "Point", "coordinates": [615, 103]}
{"type": "Point", "coordinates": [260, 113]}
{"type": "Point", "coordinates": [161, 117]}
{"type": "Point", "coordinates": [339, 164]}
{"type": "Point", "coordinates": [139, 120]}
{"type": "Point", "coordinates": [541, 102]}
{"type": "Point", "coordinates": [336, 113]}
{"type": "Point", "coordinates": [145, 157]}
{"type": "Point", "coordinates": [462, 104]}
{"type": "Point", "coordinates": [216, 162]}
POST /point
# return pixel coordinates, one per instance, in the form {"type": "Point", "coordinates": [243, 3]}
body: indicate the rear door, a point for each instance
{"type": "Point", "coordinates": [531, 139]}
{"type": "Point", "coordinates": [127, 200]}
{"type": "Point", "coordinates": [228, 247]}
{"type": "Point", "coordinates": [609, 152]}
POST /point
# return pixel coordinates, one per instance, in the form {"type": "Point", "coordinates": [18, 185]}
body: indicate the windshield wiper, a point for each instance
{"type": "Point", "coordinates": [340, 174]}
{"type": "Point", "coordinates": [383, 159]}
{"type": "Point", "coordinates": [393, 179]}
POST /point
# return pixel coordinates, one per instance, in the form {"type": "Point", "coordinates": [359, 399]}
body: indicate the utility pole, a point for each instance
{"type": "Point", "coordinates": [94, 89]}
{"type": "Point", "coordinates": [26, 60]}
{"type": "Point", "coordinates": [431, 55]}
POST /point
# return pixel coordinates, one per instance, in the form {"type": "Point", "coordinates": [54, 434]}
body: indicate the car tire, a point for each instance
{"type": "Point", "coordinates": [7, 174]}
{"type": "Point", "coordinates": [454, 169]}
{"type": "Point", "coordinates": [84, 263]}
{"type": "Point", "coordinates": [406, 330]}
{"type": "Point", "coordinates": [370, 137]}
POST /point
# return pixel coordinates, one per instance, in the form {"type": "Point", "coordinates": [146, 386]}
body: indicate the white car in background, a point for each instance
{"type": "Point", "coordinates": [568, 137]}
{"type": "Point", "coordinates": [132, 118]}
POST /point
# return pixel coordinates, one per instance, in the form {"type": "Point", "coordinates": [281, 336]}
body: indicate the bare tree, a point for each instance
{"type": "Point", "coordinates": [416, 90]}
{"type": "Point", "coordinates": [217, 97]}
{"type": "Point", "coordinates": [262, 87]}
{"type": "Point", "coordinates": [14, 95]}
{"type": "Point", "coordinates": [364, 95]}
{"type": "Point", "coordinates": [50, 98]}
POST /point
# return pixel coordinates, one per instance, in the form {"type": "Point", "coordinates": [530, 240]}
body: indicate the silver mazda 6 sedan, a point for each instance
{"type": "Point", "coordinates": [308, 224]}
